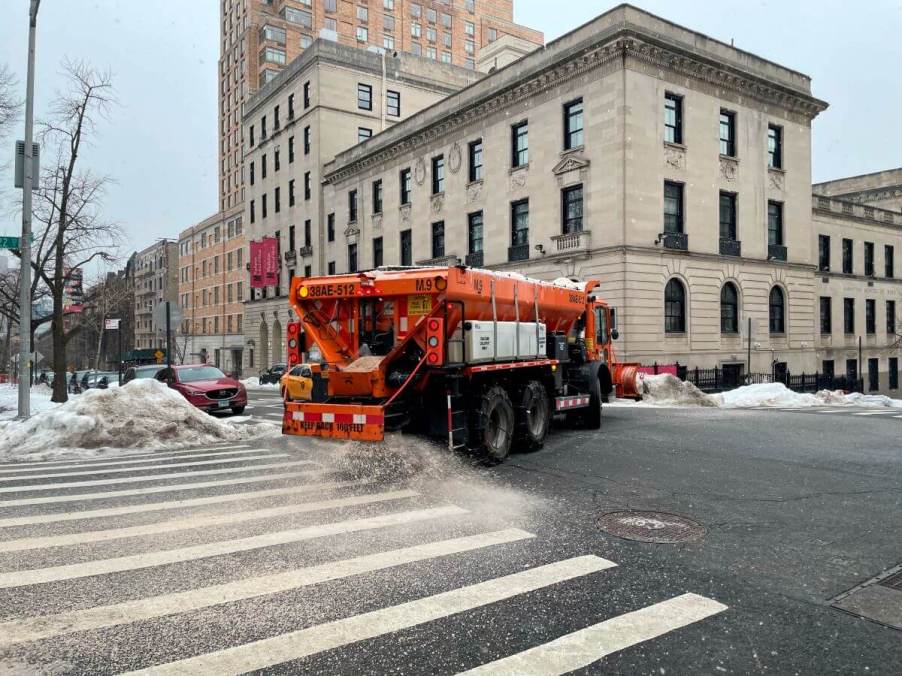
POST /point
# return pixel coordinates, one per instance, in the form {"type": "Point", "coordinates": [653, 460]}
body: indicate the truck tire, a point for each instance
{"type": "Point", "coordinates": [592, 415]}
{"type": "Point", "coordinates": [496, 425]}
{"type": "Point", "coordinates": [534, 416]}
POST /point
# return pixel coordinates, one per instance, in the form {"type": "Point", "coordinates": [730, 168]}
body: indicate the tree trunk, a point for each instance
{"type": "Point", "coordinates": [60, 381]}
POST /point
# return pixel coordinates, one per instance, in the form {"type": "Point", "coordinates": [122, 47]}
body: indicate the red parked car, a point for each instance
{"type": "Point", "coordinates": [206, 387]}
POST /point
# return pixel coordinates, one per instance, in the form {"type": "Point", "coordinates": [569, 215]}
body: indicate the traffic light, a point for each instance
{"type": "Point", "coordinates": [435, 341]}
{"type": "Point", "coordinates": [295, 345]}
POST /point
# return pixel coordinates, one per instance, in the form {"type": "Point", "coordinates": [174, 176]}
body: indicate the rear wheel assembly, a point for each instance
{"type": "Point", "coordinates": [496, 422]}
{"type": "Point", "coordinates": [534, 416]}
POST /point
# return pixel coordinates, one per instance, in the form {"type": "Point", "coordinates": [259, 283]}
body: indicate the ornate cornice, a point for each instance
{"type": "Point", "coordinates": [626, 48]}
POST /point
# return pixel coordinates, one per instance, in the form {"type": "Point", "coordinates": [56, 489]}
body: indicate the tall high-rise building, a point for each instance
{"type": "Point", "coordinates": [260, 37]}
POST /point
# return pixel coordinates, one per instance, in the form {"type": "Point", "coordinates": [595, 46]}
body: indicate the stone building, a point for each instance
{"type": "Point", "coordinates": [156, 280]}
{"type": "Point", "coordinates": [212, 288]}
{"type": "Point", "coordinates": [329, 99]}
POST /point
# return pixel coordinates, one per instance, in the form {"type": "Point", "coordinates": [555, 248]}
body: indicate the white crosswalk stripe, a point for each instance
{"type": "Point", "coordinates": [19, 578]}
{"type": "Point", "coordinates": [144, 479]}
{"type": "Point", "coordinates": [45, 626]}
{"type": "Point", "coordinates": [120, 470]}
{"type": "Point", "coordinates": [39, 464]}
{"type": "Point", "coordinates": [192, 522]}
{"type": "Point", "coordinates": [874, 413]}
{"type": "Point", "coordinates": [297, 644]}
{"type": "Point", "coordinates": [582, 648]}
{"type": "Point", "coordinates": [110, 463]}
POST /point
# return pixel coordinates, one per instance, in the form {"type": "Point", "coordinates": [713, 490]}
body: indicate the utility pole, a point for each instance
{"type": "Point", "coordinates": [25, 244]}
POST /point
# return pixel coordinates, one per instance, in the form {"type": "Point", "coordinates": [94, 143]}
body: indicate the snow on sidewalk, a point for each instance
{"type": "Point", "coordinates": [143, 414]}
{"type": "Point", "coordinates": [9, 400]}
{"type": "Point", "coordinates": [669, 391]}
{"type": "Point", "coordinates": [253, 383]}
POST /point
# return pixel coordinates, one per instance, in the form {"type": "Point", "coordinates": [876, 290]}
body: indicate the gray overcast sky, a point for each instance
{"type": "Point", "coordinates": [160, 143]}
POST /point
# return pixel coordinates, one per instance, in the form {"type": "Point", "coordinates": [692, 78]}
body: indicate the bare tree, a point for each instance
{"type": "Point", "coordinates": [71, 232]}
{"type": "Point", "coordinates": [9, 105]}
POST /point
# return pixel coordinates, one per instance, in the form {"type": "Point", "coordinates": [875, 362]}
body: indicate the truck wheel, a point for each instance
{"type": "Point", "coordinates": [496, 421]}
{"type": "Point", "coordinates": [534, 415]}
{"type": "Point", "coordinates": [592, 415]}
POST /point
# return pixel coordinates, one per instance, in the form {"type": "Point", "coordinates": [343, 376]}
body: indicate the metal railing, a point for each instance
{"type": "Point", "coordinates": [720, 380]}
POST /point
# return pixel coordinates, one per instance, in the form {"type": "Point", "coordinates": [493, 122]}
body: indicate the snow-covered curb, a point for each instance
{"type": "Point", "coordinates": [143, 414]}
{"type": "Point", "coordinates": [253, 383]}
{"type": "Point", "coordinates": [667, 391]}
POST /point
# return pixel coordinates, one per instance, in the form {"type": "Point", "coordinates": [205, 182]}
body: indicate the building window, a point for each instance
{"type": "Point", "coordinates": [775, 223]}
{"type": "Point", "coordinates": [291, 193]}
{"type": "Point", "coordinates": [252, 173]}
{"type": "Point", "coordinates": [352, 206]}
{"type": "Point", "coordinates": [352, 258]}
{"type": "Point", "coordinates": [870, 316]}
{"type": "Point", "coordinates": [891, 317]}
{"type": "Point", "coordinates": [416, 30]}
{"type": "Point", "coordinates": [438, 174]}
{"type": "Point", "coordinates": [406, 248]}
{"type": "Point", "coordinates": [252, 136]}
{"type": "Point", "coordinates": [869, 259]}
{"type": "Point", "coordinates": [388, 42]}
{"type": "Point", "coordinates": [774, 146]}
{"type": "Point", "coordinates": [438, 239]}
{"type": "Point", "coordinates": [405, 186]}
{"type": "Point", "coordinates": [330, 227]}
{"type": "Point", "coordinates": [826, 315]}
{"type": "Point", "coordinates": [308, 234]}
{"type": "Point", "coordinates": [673, 207]}
{"type": "Point", "coordinates": [362, 36]}
{"type": "Point", "coordinates": [728, 215]}
{"type": "Point", "coordinates": [307, 140]}
{"type": "Point", "coordinates": [727, 133]}
{"type": "Point", "coordinates": [777, 310]}
{"type": "Point", "coordinates": [263, 206]}
{"type": "Point", "coordinates": [377, 196]}
{"type": "Point", "coordinates": [673, 118]}
{"type": "Point", "coordinates": [469, 28]}
{"type": "Point", "coordinates": [520, 223]}
{"type": "Point", "coordinates": [263, 165]}
{"type": "Point", "coordinates": [276, 165]}
{"type": "Point", "coordinates": [823, 252]}
{"type": "Point", "coordinates": [474, 232]}
{"type": "Point", "coordinates": [388, 22]}
{"type": "Point", "coordinates": [572, 209]}
{"type": "Point", "coordinates": [290, 149]}
{"type": "Point", "coordinates": [291, 241]}
{"type": "Point", "coordinates": [307, 188]}
{"type": "Point", "coordinates": [388, 4]}
{"type": "Point", "coordinates": [362, 13]}
{"type": "Point", "coordinates": [393, 103]}
{"type": "Point", "coordinates": [847, 257]}
{"type": "Point", "coordinates": [306, 95]}
{"type": "Point", "coordinates": [263, 127]}
{"type": "Point", "coordinates": [893, 369]}
{"type": "Point", "coordinates": [377, 252]}
{"type": "Point", "coordinates": [674, 307]}
{"type": "Point", "coordinates": [573, 124]}
{"type": "Point", "coordinates": [277, 199]}
{"type": "Point", "coordinates": [297, 16]}
{"type": "Point", "coordinates": [493, 34]}
{"type": "Point", "coordinates": [848, 308]}
{"type": "Point", "coordinates": [331, 268]}
{"type": "Point", "coordinates": [475, 160]}
{"type": "Point", "coordinates": [520, 144]}
{"type": "Point", "coordinates": [363, 134]}
{"type": "Point", "coordinates": [729, 309]}
{"type": "Point", "coordinates": [873, 374]}
{"type": "Point", "coordinates": [364, 96]}
{"type": "Point", "coordinates": [888, 262]}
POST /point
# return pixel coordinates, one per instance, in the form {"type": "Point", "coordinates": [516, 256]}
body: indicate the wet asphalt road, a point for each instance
{"type": "Point", "coordinates": [289, 556]}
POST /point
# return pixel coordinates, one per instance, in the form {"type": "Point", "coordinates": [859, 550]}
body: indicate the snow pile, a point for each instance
{"type": "Point", "coordinates": [668, 390]}
{"type": "Point", "coordinates": [142, 414]}
{"type": "Point", "coordinates": [253, 383]}
{"type": "Point", "coordinates": [779, 396]}
{"type": "Point", "coordinates": [9, 400]}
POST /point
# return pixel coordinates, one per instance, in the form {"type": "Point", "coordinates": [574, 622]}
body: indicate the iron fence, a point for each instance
{"type": "Point", "coordinates": [720, 380]}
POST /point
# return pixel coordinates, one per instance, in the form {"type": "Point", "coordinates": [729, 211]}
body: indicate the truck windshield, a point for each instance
{"type": "Point", "coordinates": [376, 331]}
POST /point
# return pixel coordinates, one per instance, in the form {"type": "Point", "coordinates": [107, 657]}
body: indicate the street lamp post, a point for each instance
{"type": "Point", "coordinates": [25, 244]}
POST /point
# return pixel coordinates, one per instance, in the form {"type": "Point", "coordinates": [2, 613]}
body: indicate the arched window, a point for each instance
{"type": "Point", "coordinates": [674, 307]}
{"type": "Point", "coordinates": [729, 309]}
{"type": "Point", "coordinates": [277, 342]}
{"type": "Point", "coordinates": [777, 311]}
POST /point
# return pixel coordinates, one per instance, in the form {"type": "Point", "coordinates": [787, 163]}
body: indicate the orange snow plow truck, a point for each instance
{"type": "Point", "coordinates": [481, 359]}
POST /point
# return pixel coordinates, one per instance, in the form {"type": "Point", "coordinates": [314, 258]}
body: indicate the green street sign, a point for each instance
{"type": "Point", "coordinates": [9, 242]}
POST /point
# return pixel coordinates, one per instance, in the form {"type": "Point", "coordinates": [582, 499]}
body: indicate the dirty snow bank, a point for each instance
{"type": "Point", "coordinates": [142, 414]}
{"type": "Point", "coordinates": [668, 390]}
{"type": "Point", "coordinates": [253, 383]}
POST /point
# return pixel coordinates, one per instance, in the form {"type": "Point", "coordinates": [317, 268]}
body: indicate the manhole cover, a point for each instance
{"type": "Point", "coordinates": [658, 527]}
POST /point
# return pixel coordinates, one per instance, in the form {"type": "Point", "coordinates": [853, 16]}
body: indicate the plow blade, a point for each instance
{"type": "Point", "coordinates": [334, 421]}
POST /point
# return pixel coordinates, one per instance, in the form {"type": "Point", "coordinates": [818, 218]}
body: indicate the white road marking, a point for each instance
{"type": "Point", "coordinates": [897, 416]}
{"type": "Point", "coordinates": [193, 522]}
{"type": "Point", "coordinates": [79, 497]}
{"type": "Point", "coordinates": [21, 578]}
{"type": "Point", "coordinates": [46, 626]}
{"type": "Point", "coordinates": [203, 454]}
{"type": "Point", "coordinates": [120, 470]}
{"type": "Point", "coordinates": [140, 479]}
{"type": "Point", "coordinates": [833, 411]}
{"type": "Point", "coordinates": [101, 461]}
{"type": "Point", "coordinates": [874, 413]}
{"type": "Point", "coordinates": [583, 647]}
{"type": "Point", "coordinates": [297, 644]}
{"type": "Point", "coordinates": [173, 504]}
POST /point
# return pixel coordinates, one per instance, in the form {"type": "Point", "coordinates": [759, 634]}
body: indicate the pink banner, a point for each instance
{"type": "Point", "coordinates": [270, 261]}
{"type": "Point", "coordinates": [256, 256]}
{"type": "Point", "coordinates": [661, 368]}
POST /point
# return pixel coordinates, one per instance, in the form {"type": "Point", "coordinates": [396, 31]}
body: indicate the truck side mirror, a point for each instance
{"type": "Point", "coordinates": [615, 334]}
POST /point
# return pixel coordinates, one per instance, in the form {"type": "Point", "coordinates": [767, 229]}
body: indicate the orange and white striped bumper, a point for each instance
{"type": "Point", "coordinates": [339, 421]}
